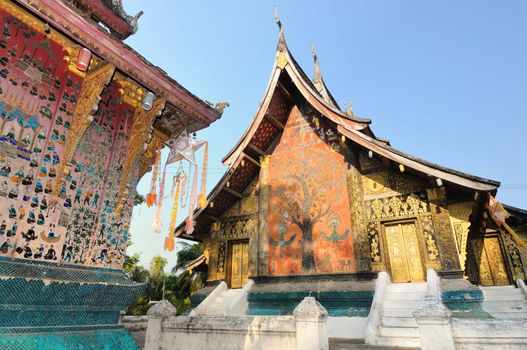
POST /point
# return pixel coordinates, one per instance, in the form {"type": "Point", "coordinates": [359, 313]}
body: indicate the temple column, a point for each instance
{"type": "Point", "coordinates": [89, 97]}
{"type": "Point", "coordinates": [139, 136]}
{"type": "Point", "coordinates": [445, 238]}
{"type": "Point", "coordinates": [263, 217]}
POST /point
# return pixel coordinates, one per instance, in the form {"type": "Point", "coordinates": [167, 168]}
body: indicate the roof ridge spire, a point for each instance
{"type": "Point", "coordinates": [318, 81]}
{"type": "Point", "coordinates": [317, 78]}
{"type": "Point", "coordinates": [282, 46]}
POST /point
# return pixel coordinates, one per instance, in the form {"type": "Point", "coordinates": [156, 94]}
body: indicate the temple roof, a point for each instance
{"type": "Point", "coordinates": [289, 85]}
{"type": "Point", "coordinates": [182, 105]}
{"type": "Point", "coordinates": [109, 12]}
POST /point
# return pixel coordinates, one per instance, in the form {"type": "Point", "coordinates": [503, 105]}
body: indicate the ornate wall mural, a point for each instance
{"type": "Point", "coordinates": [80, 225]}
{"type": "Point", "coordinates": [34, 77]}
{"type": "Point", "coordinates": [309, 216]}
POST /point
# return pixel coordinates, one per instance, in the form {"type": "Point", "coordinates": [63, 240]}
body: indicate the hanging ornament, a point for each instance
{"type": "Point", "coordinates": [158, 225]}
{"type": "Point", "coordinates": [189, 227]}
{"type": "Point", "coordinates": [169, 240]}
{"type": "Point", "coordinates": [202, 197]}
{"type": "Point", "coordinates": [185, 188]}
{"type": "Point", "coordinates": [151, 198]}
{"type": "Point", "coordinates": [183, 147]}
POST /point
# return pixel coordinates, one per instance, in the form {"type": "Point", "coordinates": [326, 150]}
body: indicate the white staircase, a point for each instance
{"type": "Point", "coordinates": [504, 302]}
{"type": "Point", "coordinates": [221, 305]}
{"type": "Point", "coordinates": [224, 302]}
{"type": "Point", "coordinates": [398, 326]}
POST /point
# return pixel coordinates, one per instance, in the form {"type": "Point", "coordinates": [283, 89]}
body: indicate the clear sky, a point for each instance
{"type": "Point", "coordinates": [442, 80]}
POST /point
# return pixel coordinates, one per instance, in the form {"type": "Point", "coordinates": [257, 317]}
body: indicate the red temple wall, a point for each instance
{"type": "Point", "coordinates": [309, 215]}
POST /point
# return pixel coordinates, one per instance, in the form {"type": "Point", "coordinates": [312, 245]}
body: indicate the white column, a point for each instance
{"type": "Point", "coordinates": [434, 319]}
{"type": "Point", "coordinates": [156, 316]}
{"type": "Point", "coordinates": [311, 325]}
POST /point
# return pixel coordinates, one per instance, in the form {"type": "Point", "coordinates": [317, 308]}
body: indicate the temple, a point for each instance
{"type": "Point", "coordinates": [83, 117]}
{"type": "Point", "coordinates": [315, 204]}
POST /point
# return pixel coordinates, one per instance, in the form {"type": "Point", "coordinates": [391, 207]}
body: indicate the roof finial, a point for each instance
{"type": "Point", "coordinates": [349, 109]}
{"type": "Point", "coordinates": [317, 79]}
{"type": "Point", "coordinates": [281, 41]}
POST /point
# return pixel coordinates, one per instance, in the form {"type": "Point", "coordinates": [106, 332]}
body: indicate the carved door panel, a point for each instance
{"type": "Point", "coordinates": [492, 268]}
{"type": "Point", "coordinates": [403, 252]}
{"type": "Point", "coordinates": [239, 273]}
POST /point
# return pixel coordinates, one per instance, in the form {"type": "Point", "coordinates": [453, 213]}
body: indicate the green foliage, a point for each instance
{"type": "Point", "coordinates": [139, 199]}
{"type": "Point", "coordinates": [178, 285]}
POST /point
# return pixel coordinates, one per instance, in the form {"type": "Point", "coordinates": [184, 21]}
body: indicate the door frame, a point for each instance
{"type": "Point", "coordinates": [228, 265]}
{"type": "Point", "coordinates": [420, 239]}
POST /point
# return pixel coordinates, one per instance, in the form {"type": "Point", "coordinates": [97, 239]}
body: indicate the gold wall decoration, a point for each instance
{"type": "Point", "coordinates": [221, 260]}
{"type": "Point", "coordinates": [88, 100]}
{"type": "Point", "coordinates": [430, 242]}
{"type": "Point", "coordinates": [366, 250]}
{"type": "Point", "coordinates": [131, 92]}
{"type": "Point", "coordinates": [459, 217]}
{"type": "Point", "coordinates": [240, 228]}
{"type": "Point", "coordinates": [154, 146]}
{"type": "Point", "coordinates": [141, 131]}
{"type": "Point", "coordinates": [444, 234]}
{"type": "Point", "coordinates": [397, 206]}
{"type": "Point", "coordinates": [249, 205]}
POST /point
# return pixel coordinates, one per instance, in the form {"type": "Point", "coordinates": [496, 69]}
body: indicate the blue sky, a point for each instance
{"type": "Point", "coordinates": [444, 80]}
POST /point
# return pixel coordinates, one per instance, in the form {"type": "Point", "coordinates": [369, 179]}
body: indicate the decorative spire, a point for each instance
{"type": "Point", "coordinates": [282, 46]}
{"type": "Point", "coordinates": [318, 81]}
{"type": "Point", "coordinates": [317, 78]}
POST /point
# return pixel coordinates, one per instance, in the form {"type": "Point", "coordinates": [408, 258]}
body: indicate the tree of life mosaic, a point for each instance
{"type": "Point", "coordinates": [309, 216]}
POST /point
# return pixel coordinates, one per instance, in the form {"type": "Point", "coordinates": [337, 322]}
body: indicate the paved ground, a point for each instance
{"type": "Point", "coordinates": [358, 344]}
{"type": "Point", "coordinates": [334, 343]}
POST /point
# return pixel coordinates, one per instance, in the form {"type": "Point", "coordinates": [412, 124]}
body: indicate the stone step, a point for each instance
{"type": "Point", "coordinates": [406, 287]}
{"type": "Point", "coordinates": [509, 286]}
{"type": "Point", "coordinates": [402, 304]}
{"type": "Point", "coordinates": [504, 303]}
{"type": "Point", "coordinates": [397, 312]}
{"type": "Point", "coordinates": [500, 289]}
{"type": "Point", "coordinates": [231, 292]}
{"type": "Point", "coordinates": [399, 342]}
{"type": "Point", "coordinates": [404, 296]}
{"type": "Point", "coordinates": [505, 297]}
{"type": "Point", "coordinates": [509, 315]}
{"type": "Point", "coordinates": [399, 332]}
{"type": "Point", "coordinates": [398, 321]}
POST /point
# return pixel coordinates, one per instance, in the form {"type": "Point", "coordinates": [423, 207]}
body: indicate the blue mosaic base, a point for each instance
{"type": "Point", "coordinates": [50, 306]}
{"type": "Point", "coordinates": [118, 339]}
{"type": "Point", "coordinates": [465, 303]}
{"type": "Point", "coordinates": [351, 303]}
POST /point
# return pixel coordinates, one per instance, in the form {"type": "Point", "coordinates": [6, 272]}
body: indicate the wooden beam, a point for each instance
{"type": "Point", "coordinates": [251, 159]}
{"type": "Point", "coordinates": [213, 218]}
{"type": "Point", "coordinates": [274, 121]}
{"type": "Point", "coordinates": [284, 91]}
{"type": "Point", "coordinates": [256, 149]}
{"type": "Point", "coordinates": [232, 192]}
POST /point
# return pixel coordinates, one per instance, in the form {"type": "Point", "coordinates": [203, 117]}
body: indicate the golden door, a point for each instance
{"type": "Point", "coordinates": [492, 269]}
{"type": "Point", "coordinates": [239, 264]}
{"type": "Point", "coordinates": [403, 252]}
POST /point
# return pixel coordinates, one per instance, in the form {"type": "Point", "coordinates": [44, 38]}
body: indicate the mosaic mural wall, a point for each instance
{"type": "Point", "coordinates": [309, 215]}
{"type": "Point", "coordinates": [38, 95]}
{"type": "Point", "coordinates": [38, 98]}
